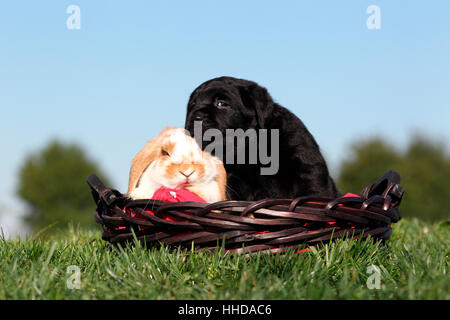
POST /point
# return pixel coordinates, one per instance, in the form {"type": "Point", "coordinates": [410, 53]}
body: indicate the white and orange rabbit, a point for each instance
{"type": "Point", "coordinates": [174, 160]}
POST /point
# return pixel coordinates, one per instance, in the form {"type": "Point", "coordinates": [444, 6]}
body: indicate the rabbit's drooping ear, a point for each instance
{"type": "Point", "coordinates": [141, 161]}
{"type": "Point", "coordinates": [144, 158]}
{"type": "Point", "coordinates": [221, 179]}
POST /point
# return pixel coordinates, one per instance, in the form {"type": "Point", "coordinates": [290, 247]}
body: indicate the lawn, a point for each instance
{"type": "Point", "coordinates": [412, 265]}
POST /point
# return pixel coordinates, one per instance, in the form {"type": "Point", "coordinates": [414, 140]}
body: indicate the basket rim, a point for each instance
{"type": "Point", "coordinates": [263, 225]}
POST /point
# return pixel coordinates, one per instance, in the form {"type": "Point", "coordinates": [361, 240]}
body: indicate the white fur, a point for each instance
{"type": "Point", "coordinates": [154, 176]}
{"type": "Point", "coordinates": [212, 192]}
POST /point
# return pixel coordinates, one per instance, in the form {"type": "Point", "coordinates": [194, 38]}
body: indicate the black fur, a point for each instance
{"type": "Point", "coordinates": [302, 169]}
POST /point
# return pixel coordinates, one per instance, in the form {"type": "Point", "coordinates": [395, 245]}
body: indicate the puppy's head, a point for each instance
{"type": "Point", "coordinates": [229, 103]}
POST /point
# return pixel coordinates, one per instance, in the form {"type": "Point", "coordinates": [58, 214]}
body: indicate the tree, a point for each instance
{"type": "Point", "coordinates": [424, 168]}
{"type": "Point", "coordinates": [53, 183]}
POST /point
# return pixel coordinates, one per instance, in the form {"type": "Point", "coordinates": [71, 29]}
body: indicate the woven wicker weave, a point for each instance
{"type": "Point", "coordinates": [247, 226]}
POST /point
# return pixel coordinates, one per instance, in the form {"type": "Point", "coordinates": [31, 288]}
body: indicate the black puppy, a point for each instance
{"type": "Point", "coordinates": [230, 103]}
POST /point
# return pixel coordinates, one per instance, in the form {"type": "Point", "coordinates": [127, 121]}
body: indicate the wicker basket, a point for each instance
{"type": "Point", "coordinates": [273, 225]}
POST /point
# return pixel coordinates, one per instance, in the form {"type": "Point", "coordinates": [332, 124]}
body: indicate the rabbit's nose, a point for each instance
{"type": "Point", "coordinates": [187, 174]}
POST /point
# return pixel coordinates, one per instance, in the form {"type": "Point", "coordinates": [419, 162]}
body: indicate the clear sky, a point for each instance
{"type": "Point", "coordinates": [129, 70]}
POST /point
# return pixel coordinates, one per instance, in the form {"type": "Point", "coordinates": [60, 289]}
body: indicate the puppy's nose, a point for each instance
{"type": "Point", "coordinates": [191, 119]}
{"type": "Point", "coordinates": [187, 174]}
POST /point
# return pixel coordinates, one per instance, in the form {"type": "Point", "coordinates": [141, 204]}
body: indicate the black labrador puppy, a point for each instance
{"type": "Point", "coordinates": [227, 105]}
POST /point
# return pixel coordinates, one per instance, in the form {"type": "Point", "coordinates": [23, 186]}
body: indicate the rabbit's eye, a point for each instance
{"type": "Point", "coordinates": [165, 153]}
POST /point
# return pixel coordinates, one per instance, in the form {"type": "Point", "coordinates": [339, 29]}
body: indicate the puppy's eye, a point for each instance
{"type": "Point", "coordinates": [222, 104]}
{"type": "Point", "coordinates": [165, 153]}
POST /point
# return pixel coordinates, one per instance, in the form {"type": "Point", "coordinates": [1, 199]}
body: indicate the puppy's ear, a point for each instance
{"type": "Point", "coordinates": [258, 98]}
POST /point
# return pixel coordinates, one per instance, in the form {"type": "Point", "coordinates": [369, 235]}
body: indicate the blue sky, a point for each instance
{"type": "Point", "coordinates": [129, 70]}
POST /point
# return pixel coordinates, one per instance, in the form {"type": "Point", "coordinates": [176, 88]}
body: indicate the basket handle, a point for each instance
{"type": "Point", "coordinates": [95, 183]}
{"type": "Point", "coordinates": [388, 184]}
{"type": "Point", "coordinates": [100, 191]}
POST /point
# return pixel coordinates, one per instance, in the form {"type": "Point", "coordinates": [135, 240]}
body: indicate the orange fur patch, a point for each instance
{"type": "Point", "coordinates": [168, 146]}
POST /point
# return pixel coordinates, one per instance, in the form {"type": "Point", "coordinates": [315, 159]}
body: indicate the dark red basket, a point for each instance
{"type": "Point", "coordinates": [247, 226]}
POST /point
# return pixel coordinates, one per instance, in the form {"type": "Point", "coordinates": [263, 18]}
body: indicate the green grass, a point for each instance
{"type": "Point", "coordinates": [413, 265]}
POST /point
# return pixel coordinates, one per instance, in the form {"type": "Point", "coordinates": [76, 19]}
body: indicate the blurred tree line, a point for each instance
{"type": "Point", "coordinates": [424, 167]}
{"type": "Point", "coordinates": [53, 181]}
{"type": "Point", "coordinates": [53, 184]}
